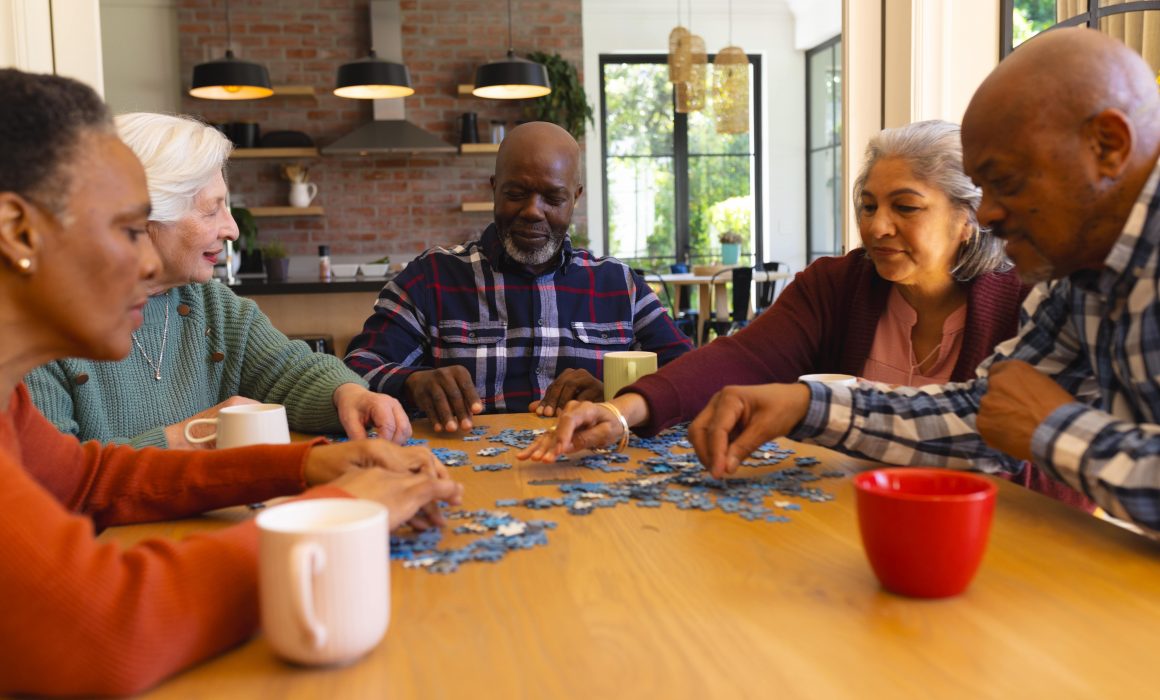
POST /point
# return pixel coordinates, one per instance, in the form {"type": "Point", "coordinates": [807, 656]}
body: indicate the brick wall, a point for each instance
{"type": "Point", "coordinates": [376, 205]}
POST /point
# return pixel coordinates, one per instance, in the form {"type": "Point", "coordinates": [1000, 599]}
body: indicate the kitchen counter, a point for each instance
{"type": "Point", "coordinates": [308, 285]}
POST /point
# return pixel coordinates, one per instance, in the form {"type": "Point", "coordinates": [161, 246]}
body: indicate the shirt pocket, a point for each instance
{"type": "Point", "coordinates": [466, 333]}
{"type": "Point", "coordinates": [602, 333]}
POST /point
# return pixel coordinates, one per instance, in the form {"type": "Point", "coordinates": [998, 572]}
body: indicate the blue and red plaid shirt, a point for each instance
{"type": "Point", "coordinates": [474, 306]}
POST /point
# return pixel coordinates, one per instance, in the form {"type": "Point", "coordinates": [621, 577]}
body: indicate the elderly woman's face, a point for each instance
{"type": "Point", "coordinates": [98, 263]}
{"type": "Point", "coordinates": [189, 248]}
{"type": "Point", "coordinates": [911, 230]}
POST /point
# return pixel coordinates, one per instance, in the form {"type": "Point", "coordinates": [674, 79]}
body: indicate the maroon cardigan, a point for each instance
{"type": "Point", "coordinates": [824, 321]}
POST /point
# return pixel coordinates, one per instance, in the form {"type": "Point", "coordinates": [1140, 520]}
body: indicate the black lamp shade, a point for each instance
{"type": "Point", "coordinates": [511, 79]}
{"type": "Point", "coordinates": [230, 79]}
{"type": "Point", "coordinates": [372, 78]}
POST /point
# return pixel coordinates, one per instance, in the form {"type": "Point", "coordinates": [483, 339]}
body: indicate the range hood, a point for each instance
{"type": "Point", "coordinates": [390, 132]}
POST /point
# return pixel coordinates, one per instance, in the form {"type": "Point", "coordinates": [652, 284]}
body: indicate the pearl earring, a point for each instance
{"type": "Point", "coordinates": [24, 264]}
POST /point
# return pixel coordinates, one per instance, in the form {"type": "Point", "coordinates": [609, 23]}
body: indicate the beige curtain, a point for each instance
{"type": "Point", "coordinates": [1139, 30]}
{"type": "Point", "coordinates": [1066, 9]}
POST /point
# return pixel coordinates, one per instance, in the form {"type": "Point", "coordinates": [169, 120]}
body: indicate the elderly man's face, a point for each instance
{"type": "Point", "coordinates": [1039, 193]}
{"type": "Point", "coordinates": [534, 197]}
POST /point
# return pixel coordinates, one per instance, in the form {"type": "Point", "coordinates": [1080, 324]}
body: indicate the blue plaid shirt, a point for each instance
{"type": "Point", "coordinates": [472, 305]}
{"type": "Point", "coordinates": [1097, 334]}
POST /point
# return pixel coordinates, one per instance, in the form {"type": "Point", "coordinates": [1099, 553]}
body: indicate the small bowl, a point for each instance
{"type": "Point", "coordinates": [344, 269]}
{"type": "Point", "coordinates": [374, 269]}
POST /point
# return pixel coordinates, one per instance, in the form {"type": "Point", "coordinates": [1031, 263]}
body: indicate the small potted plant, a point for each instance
{"type": "Point", "coordinates": [249, 252]}
{"type": "Point", "coordinates": [730, 247]}
{"type": "Point", "coordinates": [277, 264]}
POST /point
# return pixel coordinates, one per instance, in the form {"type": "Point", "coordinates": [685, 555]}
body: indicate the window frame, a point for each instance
{"type": "Point", "coordinates": [811, 148]}
{"type": "Point", "coordinates": [680, 156]}
{"type": "Point", "coordinates": [1090, 18]}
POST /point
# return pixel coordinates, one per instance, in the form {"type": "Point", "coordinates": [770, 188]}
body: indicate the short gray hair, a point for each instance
{"type": "Point", "coordinates": [180, 154]}
{"type": "Point", "coordinates": [934, 151]}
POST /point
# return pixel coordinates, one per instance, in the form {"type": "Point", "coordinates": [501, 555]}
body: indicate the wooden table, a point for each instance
{"type": "Point", "coordinates": [664, 603]}
{"type": "Point", "coordinates": [712, 287]}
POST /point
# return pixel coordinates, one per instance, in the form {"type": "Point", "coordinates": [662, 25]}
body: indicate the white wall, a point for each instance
{"type": "Point", "coordinates": [761, 27]}
{"type": "Point", "coordinates": [62, 37]}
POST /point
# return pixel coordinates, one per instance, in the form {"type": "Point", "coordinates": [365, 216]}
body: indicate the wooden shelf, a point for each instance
{"type": "Point", "coordinates": [465, 88]}
{"type": "Point", "coordinates": [478, 148]}
{"type": "Point", "coordinates": [477, 206]}
{"type": "Point", "coordinates": [293, 90]}
{"type": "Point", "coordinates": [261, 212]}
{"type": "Point", "coordinates": [244, 153]}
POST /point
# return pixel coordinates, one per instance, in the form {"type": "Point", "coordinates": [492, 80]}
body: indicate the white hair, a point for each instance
{"type": "Point", "coordinates": [180, 154]}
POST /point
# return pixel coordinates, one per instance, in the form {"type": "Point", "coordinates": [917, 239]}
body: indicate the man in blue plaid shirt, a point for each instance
{"type": "Point", "coordinates": [1064, 138]}
{"type": "Point", "coordinates": [519, 319]}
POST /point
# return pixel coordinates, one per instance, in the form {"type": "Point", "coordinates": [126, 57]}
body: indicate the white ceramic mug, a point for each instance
{"type": "Point", "coordinates": [624, 368]}
{"type": "Point", "coordinates": [302, 193]}
{"type": "Point", "coordinates": [249, 424]}
{"type": "Point", "coordinates": [839, 379]}
{"type": "Point", "coordinates": [324, 579]}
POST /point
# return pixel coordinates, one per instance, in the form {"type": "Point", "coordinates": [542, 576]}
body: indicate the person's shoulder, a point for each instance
{"type": "Point", "coordinates": [1001, 283]}
{"type": "Point", "coordinates": [842, 268]}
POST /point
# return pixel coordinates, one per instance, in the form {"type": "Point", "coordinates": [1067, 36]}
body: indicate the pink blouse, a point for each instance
{"type": "Point", "coordinates": [892, 357]}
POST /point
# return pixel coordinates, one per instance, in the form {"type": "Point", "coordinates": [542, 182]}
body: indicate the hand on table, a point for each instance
{"type": "Point", "coordinates": [408, 480]}
{"type": "Point", "coordinates": [584, 425]}
{"type": "Point", "coordinates": [1018, 399]}
{"type": "Point", "coordinates": [447, 395]}
{"type": "Point", "coordinates": [738, 419]}
{"type": "Point", "coordinates": [359, 407]}
{"type": "Point", "coordinates": [571, 385]}
{"type": "Point", "coordinates": [175, 434]}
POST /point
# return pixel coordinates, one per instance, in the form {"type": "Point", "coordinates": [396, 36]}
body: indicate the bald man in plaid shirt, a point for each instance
{"type": "Point", "coordinates": [518, 320]}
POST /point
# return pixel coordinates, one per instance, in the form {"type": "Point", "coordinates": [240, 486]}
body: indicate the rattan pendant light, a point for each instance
{"type": "Point", "coordinates": [690, 95]}
{"type": "Point", "coordinates": [230, 78]}
{"type": "Point", "coordinates": [731, 87]}
{"type": "Point", "coordinates": [679, 51]}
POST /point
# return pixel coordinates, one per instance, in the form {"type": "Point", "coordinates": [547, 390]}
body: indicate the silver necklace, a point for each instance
{"type": "Point", "coordinates": [160, 356]}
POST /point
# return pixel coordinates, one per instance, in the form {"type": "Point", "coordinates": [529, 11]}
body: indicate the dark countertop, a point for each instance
{"type": "Point", "coordinates": [309, 285]}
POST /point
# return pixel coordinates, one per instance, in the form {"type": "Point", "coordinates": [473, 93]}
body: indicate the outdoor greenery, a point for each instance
{"type": "Point", "coordinates": [567, 104]}
{"type": "Point", "coordinates": [1030, 18]}
{"type": "Point", "coordinates": [640, 134]}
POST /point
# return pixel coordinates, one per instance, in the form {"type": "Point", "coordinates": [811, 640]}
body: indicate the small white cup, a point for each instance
{"type": "Point", "coordinates": [249, 424]}
{"type": "Point", "coordinates": [324, 579]}
{"type": "Point", "coordinates": [625, 367]}
{"type": "Point", "coordinates": [302, 194]}
{"type": "Point", "coordinates": [839, 379]}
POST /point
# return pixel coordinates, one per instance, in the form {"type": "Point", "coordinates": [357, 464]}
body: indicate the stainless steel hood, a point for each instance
{"type": "Point", "coordinates": [390, 132]}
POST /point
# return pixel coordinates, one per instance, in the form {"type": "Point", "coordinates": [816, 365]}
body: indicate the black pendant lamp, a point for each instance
{"type": "Point", "coordinates": [373, 78]}
{"type": "Point", "coordinates": [513, 78]}
{"type": "Point", "coordinates": [230, 78]}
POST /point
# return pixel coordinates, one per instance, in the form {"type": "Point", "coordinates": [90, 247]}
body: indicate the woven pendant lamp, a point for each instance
{"type": "Point", "coordinates": [731, 91]}
{"type": "Point", "coordinates": [691, 98]}
{"type": "Point", "coordinates": [679, 51]}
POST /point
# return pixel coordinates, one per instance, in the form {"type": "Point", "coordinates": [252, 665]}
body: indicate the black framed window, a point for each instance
{"type": "Point", "coordinates": [824, 150]}
{"type": "Point", "coordinates": [671, 182]}
{"type": "Point", "coordinates": [1136, 23]}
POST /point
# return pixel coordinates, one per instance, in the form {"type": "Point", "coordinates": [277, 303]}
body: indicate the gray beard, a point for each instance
{"type": "Point", "coordinates": [532, 258]}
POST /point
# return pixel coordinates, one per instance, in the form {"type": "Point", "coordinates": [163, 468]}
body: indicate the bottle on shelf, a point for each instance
{"type": "Point", "coordinates": [324, 262]}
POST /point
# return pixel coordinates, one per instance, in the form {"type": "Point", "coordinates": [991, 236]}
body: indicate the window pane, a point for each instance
{"type": "Point", "coordinates": [825, 204]}
{"type": "Point", "coordinates": [719, 201]}
{"type": "Point", "coordinates": [825, 84]}
{"type": "Point", "coordinates": [1029, 17]}
{"type": "Point", "coordinates": [639, 103]}
{"type": "Point", "coordinates": [640, 208]}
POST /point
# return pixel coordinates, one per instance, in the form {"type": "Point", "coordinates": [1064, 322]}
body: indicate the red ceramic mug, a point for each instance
{"type": "Point", "coordinates": [924, 530]}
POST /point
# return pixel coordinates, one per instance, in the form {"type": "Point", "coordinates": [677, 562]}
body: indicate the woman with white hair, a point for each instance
{"type": "Point", "coordinates": [201, 347]}
{"type": "Point", "coordinates": [923, 301]}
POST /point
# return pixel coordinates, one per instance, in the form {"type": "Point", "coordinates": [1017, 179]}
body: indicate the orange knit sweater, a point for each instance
{"type": "Point", "coordinates": [82, 617]}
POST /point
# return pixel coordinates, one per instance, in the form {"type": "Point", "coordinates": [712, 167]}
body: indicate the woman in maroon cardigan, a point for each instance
{"type": "Point", "coordinates": [925, 300]}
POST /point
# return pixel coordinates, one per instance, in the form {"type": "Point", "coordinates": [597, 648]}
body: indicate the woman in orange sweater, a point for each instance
{"type": "Point", "coordinates": [83, 617]}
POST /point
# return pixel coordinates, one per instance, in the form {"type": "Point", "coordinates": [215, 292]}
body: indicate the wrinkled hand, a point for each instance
{"type": "Point", "coordinates": [358, 408]}
{"type": "Point", "coordinates": [571, 385]}
{"type": "Point", "coordinates": [447, 395]}
{"type": "Point", "coordinates": [175, 434]}
{"type": "Point", "coordinates": [408, 480]}
{"type": "Point", "coordinates": [1018, 399]}
{"type": "Point", "coordinates": [584, 425]}
{"type": "Point", "coordinates": [739, 419]}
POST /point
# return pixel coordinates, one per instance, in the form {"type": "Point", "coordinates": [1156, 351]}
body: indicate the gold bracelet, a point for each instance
{"type": "Point", "coordinates": [623, 424]}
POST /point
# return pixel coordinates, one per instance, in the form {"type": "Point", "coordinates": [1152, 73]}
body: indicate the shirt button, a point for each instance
{"type": "Point", "coordinates": [81, 378]}
{"type": "Point", "coordinates": [217, 356]}
{"type": "Point", "coordinates": [603, 335]}
{"type": "Point", "coordinates": [539, 321]}
{"type": "Point", "coordinates": [470, 335]}
{"type": "Point", "coordinates": [183, 309]}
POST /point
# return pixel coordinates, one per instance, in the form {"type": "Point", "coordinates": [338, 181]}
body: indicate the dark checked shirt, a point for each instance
{"type": "Point", "coordinates": [1097, 334]}
{"type": "Point", "coordinates": [474, 306]}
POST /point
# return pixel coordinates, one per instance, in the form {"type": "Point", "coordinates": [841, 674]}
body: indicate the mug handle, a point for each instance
{"type": "Point", "coordinates": [307, 559]}
{"type": "Point", "coordinates": [198, 421]}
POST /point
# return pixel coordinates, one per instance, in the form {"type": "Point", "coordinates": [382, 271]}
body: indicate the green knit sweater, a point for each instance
{"type": "Point", "coordinates": [219, 345]}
